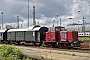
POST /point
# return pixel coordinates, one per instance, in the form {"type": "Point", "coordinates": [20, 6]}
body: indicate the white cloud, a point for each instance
{"type": "Point", "coordinates": [46, 11]}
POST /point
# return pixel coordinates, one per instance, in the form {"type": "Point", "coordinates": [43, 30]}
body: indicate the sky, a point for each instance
{"type": "Point", "coordinates": [46, 12]}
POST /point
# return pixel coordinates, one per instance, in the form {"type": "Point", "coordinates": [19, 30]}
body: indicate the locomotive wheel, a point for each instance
{"type": "Point", "coordinates": [53, 45]}
{"type": "Point", "coordinates": [65, 45]}
{"type": "Point", "coordinates": [45, 44]}
{"type": "Point", "coordinates": [60, 46]}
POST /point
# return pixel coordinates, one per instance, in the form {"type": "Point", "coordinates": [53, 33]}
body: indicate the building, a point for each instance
{"type": "Point", "coordinates": [79, 27]}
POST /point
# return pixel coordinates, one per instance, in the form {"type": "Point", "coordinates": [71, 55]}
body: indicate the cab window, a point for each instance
{"type": "Point", "coordinates": [49, 29]}
{"type": "Point", "coordinates": [57, 29]}
{"type": "Point", "coordinates": [62, 29]}
{"type": "Point", "coordinates": [52, 29]}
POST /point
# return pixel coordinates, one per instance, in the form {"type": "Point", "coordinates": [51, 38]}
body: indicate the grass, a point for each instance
{"type": "Point", "coordinates": [51, 59]}
{"type": "Point", "coordinates": [50, 51]}
{"type": "Point", "coordinates": [84, 38]}
{"type": "Point", "coordinates": [41, 57]}
{"type": "Point", "coordinates": [67, 54]}
{"type": "Point", "coordinates": [11, 53]}
{"type": "Point", "coordinates": [41, 47]}
{"type": "Point", "coordinates": [73, 54]}
{"type": "Point", "coordinates": [59, 53]}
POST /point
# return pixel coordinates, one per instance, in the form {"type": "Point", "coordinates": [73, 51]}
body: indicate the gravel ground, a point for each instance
{"type": "Point", "coordinates": [45, 54]}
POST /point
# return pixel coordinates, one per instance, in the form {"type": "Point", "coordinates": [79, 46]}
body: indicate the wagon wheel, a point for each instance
{"type": "Point", "coordinates": [44, 43]}
{"type": "Point", "coordinates": [18, 42]}
{"type": "Point", "coordinates": [35, 44]}
{"type": "Point", "coordinates": [40, 44]}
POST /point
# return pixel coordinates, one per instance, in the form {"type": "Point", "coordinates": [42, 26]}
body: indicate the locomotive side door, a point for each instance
{"type": "Point", "coordinates": [57, 34]}
{"type": "Point", "coordinates": [52, 34]}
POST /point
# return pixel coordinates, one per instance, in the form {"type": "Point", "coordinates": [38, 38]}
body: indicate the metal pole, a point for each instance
{"type": "Point", "coordinates": [28, 13]}
{"type": "Point", "coordinates": [78, 26]}
{"type": "Point", "coordinates": [2, 19]}
{"type": "Point", "coordinates": [17, 21]}
{"type": "Point", "coordinates": [22, 24]}
{"type": "Point", "coordinates": [84, 25]}
{"type": "Point", "coordinates": [53, 23]}
{"type": "Point", "coordinates": [71, 25]}
{"type": "Point", "coordinates": [57, 20]}
{"type": "Point", "coordinates": [74, 26]}
{"type": "Point", "coordinates": [45, 23]}
{"type": "Point", "coordinates": [34, 22]}
{"type": "Point", "coordinates": [60, 21]}
{"type": "Point", "coordinates": [38, 23]}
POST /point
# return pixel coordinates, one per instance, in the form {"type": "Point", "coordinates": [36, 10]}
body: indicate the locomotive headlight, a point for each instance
{"type": "Point", "coordinates": [74, 42]}
{"type": "Point", "coordinates": [71, 44]}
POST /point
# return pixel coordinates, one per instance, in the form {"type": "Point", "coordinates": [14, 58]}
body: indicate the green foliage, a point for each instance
{"type": "Point", "coordinates": [59, 53]}
{"type": "Point", "coordinates": [73, 54]}
{"type": "Point", "coordinates": [27, 59]}
{"type": "Point", "coordinates": [41, 47]}
{"type": "Point", "coordinates": [69, 54]}
{"type": "Point", "coordinates": [65, 53]}
{"type": "Point", "coordinates": [10, 53]}
{"type": "Point", "coordinates": [51, 59]}
{"type": "Point", "coordinates": [41, 57]}
{"type": "Point", "coordinates": [50, 51]}
{"type": "Point", "coordinates": [88, 56]}
{"type": "Point", "coordinates": [84, 38]}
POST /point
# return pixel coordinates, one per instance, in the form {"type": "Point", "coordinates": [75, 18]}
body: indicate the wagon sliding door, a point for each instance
{"type": "Point", "coordinates": [37, 36]}
{"type": "Point", "coordinates": [11, 36]}
{"type": "Point", "coordinates": [1, 36]}
{"type": "Point", "coordinates": [20, 36]}
{"type": "Point", "coordinates": [29, 36]}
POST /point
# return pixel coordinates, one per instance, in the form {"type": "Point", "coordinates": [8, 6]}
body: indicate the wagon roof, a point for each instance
{"type": "Point", "coordinates": [16, 30]}
{"type": "Point", "coordinates": [30, 27]}
{"type": "Point", "coordinates": [3, 30]}
{"type": "Point", "coordinates": [37, 28]}
{"type": "Point", "coordinates": [12, 30]}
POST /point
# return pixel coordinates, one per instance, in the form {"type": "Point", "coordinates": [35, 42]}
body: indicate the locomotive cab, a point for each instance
{"type": "Point", "coordinates": [53, 34]}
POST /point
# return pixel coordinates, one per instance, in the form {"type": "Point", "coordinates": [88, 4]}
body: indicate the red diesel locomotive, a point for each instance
{"type": "Point", "coordinates": [58, 37]}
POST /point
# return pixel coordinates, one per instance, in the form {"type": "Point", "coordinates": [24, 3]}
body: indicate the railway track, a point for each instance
{"type": "Point", "coordinates": [72, 50]}
{"type": "Point", "coordinates": [34, 51]}
{"type": "Point", "coordinates": [80, 50]}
